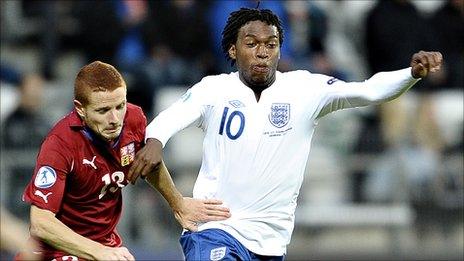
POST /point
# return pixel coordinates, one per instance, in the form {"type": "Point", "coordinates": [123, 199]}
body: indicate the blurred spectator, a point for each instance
{"type": "Point", "coordinates": [444, 200]}
{"type": "Point", "coordinates": [389, 39]}
{"type": "Point", "coordinates": [448, 23]}
{"type": "Point", "coordinates": [132, 52]}
{"type": "Point", "coordinates": [117, 38]}
{"type": "Point", "coordinates": [308, 24]}
{"type": "Point", "coordinates": [9, 75]}
{"type": "Point", "coordinates": [344, 40]}
{"type": "Point", "coordinates": [177, 39]}
{"type": "Point", "coordinates": [17, 133]}
{"type": "Point", "coordinates": [23, 130]}
{"type": "Point", "coordinates": [50, 25]}
{"type": "Point", "coordinates": [100, 29]}
{"type": "Point", "coordinates": [138, 36]}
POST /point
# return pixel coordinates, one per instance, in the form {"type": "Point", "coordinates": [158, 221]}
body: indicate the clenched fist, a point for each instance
{"type": "Point", "coordinates": [424, 62]}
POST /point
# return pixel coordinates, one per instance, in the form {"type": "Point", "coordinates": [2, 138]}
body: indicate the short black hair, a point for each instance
{"type": "Point", "coordinates": [239, 18]}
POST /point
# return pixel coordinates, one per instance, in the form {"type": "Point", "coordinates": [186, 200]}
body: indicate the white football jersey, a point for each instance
{"type": "Point", "coordinates": [255, 152]}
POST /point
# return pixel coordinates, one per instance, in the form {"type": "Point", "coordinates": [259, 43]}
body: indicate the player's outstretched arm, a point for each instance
{"type": "Point", "coordinates": [45, 226]}
{"type": "Point", "coordinates": [424, 62]}
{"type": "Point", "coordinates": [187, 211]}
{"type": "Point", "coordinates": [381, 87]}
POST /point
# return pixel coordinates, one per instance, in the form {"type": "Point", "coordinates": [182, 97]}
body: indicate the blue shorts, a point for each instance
{"type": "Point", "coordinates": [216, 244]}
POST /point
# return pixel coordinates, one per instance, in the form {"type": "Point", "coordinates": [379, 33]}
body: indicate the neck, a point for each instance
{"type": "Point", "coordinates": [92, 135]}
{"type": "Point", "coordinates": [257, 88]}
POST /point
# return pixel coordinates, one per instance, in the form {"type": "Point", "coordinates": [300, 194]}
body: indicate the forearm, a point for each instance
{"type": "Point", "coordinates": [14, 233]}
{"type": "Point", "coordinates": [161, 180]}
{"type": "Point", "coordinates": [381, 87]}
{"type": "Point", "coordinates": [170, 121]}
{"type": "Point", "coordinates": [386, 86]}
{"type": "Point", "coordinates": [46, 227]}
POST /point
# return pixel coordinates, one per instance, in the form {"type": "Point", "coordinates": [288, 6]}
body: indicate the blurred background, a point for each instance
{"type": "Point", "coordinates": [383, 182]}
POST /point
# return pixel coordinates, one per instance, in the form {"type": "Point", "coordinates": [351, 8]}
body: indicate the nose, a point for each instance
{"type": "Point", "coordinates": [113, 117]}
{"type": "Point", "coordinates": [262, 52]}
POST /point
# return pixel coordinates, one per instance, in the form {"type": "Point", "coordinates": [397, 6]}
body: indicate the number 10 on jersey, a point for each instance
{"type": "Point", "coordinates": [226, 123]}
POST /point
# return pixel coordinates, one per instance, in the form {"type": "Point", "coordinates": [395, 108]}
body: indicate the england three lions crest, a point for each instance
{"type": "Point", "coordinates": [280, 114]}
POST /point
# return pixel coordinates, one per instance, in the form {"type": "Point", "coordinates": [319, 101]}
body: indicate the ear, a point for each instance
{"type": "Point", "coordinates": [232, 52]}
{"type": "Point", "coordinates": [79, 108]}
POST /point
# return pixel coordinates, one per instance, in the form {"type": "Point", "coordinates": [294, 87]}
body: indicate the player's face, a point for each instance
{"type": "Point", "coordinates": [104, 114]}
{"type": "Point", "coordinates": [257, 53]}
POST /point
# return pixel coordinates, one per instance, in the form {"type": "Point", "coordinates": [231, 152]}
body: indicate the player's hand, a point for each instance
{"type": "Point", "coordinates": [114, 253]}
{"type": "Point", "coordinates": [194, 211]}
{"type": "Point", "coordinates": [424, 62]}
{"type": "Point", "coordinates": [146, 160]}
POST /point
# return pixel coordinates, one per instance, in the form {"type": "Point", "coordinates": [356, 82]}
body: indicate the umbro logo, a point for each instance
{"type": "Point", "coordinates": [88, 162]}
{"type": "Point", "coordinates": [42, 195]}
{"type": "Point", "coordinates": [237, 104]}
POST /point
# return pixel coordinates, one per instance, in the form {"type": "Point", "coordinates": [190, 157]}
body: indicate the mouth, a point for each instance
{"type": "Point", "coordinates": [112, 130]}
{"type": "Point", "coordinates": [260, 68]}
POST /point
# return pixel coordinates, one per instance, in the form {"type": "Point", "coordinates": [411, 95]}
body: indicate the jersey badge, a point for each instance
{"type": "Point", "coordinates": [42, 195]}
{"type": "Point", "coordinates": [127, 154]}
{"type": "Point", "coordinates": [90, 162]}
{"type": "Point", "coordinates": [237, 104]}
{"type": "Point", "coordinates": [45, 178]}
{"type": "Point", "coordinates": [280, 114]}
{"type": "Point", "coordinates": [217, 253]}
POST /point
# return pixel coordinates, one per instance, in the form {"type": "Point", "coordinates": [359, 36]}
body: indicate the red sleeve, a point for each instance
{"type": "Point", "coordinates": [46, 188]}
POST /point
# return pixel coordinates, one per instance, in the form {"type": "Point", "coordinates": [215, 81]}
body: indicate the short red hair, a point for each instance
{"type": "Point", "coordinates": [95, 77]}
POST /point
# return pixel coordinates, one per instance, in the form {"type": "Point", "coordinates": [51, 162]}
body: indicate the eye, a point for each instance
{"type": "Point", "coordinates": [251, 44]}
{"type": "Point", "coordinates": [272, 45]}
{"type": "Point", "coordinates": [102, 111]}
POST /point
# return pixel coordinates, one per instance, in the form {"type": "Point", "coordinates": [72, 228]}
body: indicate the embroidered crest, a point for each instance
{"type": "Point", "coordinates": [127, 154]}
{"type": "Point", "coordinates": [46, 177]}
{"type": "Point", "coordinates": [237, 104]}
{"type": "Point", "coordinates": [280, 114]}
{"type": "Point", "coordinates": [217, 253]}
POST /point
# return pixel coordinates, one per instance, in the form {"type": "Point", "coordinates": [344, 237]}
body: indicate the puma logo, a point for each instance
{"type": "Point", "coordinates": [40, 194]}
{"type": "Point", "coordinates": [86, 161]}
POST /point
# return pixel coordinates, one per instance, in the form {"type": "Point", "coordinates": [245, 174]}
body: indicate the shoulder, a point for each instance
{"type": "Point", "coordinates": [66, 128]}
{"type": "Point", "coordinates": [64, 137]}
{"type": "Point", "coordinates": [135, 112]}
{"type": "Point", "coordinates": [219, 77]}
{"type": "Point", "coordinates": [216, 83]}
{"type": "Point", "coordinates": [135, 116]}
{"type": "Point", "coordinates": [135, 120]}
{"type": "Point", "coordinates": [305, 77]}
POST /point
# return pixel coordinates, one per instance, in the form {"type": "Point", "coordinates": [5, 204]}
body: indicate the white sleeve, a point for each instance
{"type": "Point", "coordinates": [181, 114]}
{"type": "Point", "coordinates": [381, 87]}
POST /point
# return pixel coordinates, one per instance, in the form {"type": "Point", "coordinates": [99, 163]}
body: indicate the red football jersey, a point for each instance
{"type": "Point", "coordinates": [79, 177]}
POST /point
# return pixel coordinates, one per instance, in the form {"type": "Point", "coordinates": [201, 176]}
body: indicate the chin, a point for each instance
{"type": "Point", "coordinates": [260, 81]}
{"type": "Point", "coordinates": [111, 136]}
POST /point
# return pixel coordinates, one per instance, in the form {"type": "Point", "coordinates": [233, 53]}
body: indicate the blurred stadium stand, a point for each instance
{"type": "Point", "coordinates": [409, 206]}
